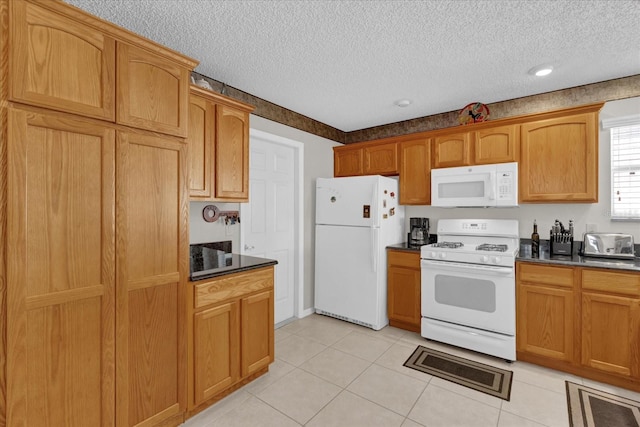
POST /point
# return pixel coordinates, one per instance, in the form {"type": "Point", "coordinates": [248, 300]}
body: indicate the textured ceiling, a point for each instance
{"type": "Point", "coordinates": [345, 63]}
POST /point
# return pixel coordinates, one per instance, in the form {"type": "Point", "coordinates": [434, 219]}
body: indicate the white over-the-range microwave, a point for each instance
{"type": "Point", "coordinates": [494, 185]}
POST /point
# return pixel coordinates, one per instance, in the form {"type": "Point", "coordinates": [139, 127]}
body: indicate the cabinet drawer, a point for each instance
{"type": "Point", "coordinates": [232, 286]}
{"type": "Point", "coordinates": [609, 281]}
{"type": "Point", "coordinates": [403, 259]}
{"type": "Point", "coordinates": [544, 274]}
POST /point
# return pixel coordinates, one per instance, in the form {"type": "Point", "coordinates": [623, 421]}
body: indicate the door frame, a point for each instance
{"type": "Point", "coordinates": [298, 159]}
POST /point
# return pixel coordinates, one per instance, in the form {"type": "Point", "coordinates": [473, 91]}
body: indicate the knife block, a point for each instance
{"type": "Point", "coordinates": [561, 248]}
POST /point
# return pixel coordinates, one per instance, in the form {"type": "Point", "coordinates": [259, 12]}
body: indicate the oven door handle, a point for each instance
{"type": "Point", "coordinates": [458, 266]}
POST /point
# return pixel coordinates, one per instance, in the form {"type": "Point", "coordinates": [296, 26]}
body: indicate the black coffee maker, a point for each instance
{"type": "Point", "coordinates": [418, 231]}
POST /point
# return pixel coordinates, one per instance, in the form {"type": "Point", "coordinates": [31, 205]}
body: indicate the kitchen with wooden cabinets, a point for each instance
{"type": "Point", "coordinates": [106, 144]}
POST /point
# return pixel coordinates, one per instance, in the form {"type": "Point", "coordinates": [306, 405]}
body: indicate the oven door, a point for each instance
{"type": "Point", "coordinates": [477, 296]}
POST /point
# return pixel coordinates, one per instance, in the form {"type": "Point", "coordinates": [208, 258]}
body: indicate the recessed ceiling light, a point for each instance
{"type": "Point", "coordinates": [403, 103]}
{"type": "Point", "coordinates": [541, 70]}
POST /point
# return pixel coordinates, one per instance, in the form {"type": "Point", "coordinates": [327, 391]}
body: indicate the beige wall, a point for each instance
{"type": "Point", "coordinates": [546, 214]}
{"type": "Point", "coordinates": [318, 163]}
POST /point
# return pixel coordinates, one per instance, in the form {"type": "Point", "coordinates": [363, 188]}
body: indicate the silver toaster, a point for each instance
{"type": "Point", "coordinates": [608, 245]}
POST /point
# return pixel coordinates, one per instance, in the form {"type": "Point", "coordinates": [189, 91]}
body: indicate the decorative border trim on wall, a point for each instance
{"type": "Point", "coordinates": [610, 90]}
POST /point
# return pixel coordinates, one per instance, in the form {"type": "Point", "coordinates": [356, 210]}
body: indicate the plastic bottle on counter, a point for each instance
{"type": "Point", "coordinates": [535, 241]}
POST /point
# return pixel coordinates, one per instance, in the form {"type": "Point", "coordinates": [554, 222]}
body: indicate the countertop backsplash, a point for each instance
{"type": "Point", "coordinates": [201, 231]}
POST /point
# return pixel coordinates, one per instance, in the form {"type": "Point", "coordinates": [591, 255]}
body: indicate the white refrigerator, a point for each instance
{"type": "Point", "coordinates": [356, 219]}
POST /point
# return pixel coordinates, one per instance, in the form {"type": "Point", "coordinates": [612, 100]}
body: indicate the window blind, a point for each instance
{"type": "Point", "coordinates": [625, 172]}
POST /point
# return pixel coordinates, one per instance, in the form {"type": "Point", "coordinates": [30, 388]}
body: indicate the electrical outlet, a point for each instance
{"type": "Point", "coordinates": [591, 228]}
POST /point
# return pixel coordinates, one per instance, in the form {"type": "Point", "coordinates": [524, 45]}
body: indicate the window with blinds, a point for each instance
{"type": "Point", "coordinates": [625, 172]}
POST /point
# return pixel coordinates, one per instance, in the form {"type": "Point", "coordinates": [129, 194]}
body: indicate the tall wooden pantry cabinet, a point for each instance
{"type": "Point", "coordinates": [93, 221]}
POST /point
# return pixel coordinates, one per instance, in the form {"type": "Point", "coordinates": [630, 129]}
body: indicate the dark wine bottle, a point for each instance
{"type": "Point", "coordinates": [535, 241]}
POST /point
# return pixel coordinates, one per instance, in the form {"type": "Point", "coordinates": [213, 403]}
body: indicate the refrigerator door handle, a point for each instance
{"type": "Point", "coordinates": [375, 202]}
{"type": "Point", "coordinates": [374, 249]}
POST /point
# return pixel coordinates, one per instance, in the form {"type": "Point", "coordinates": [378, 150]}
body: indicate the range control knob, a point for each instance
{"type": "Point", "coordinates": [484, 259]}
{"type": "Point", "coordinates": [443, 255]}
{"type": "Point", "coordinates": [433, 254]}
{"type": "Point", "coordinates": [496, 259]}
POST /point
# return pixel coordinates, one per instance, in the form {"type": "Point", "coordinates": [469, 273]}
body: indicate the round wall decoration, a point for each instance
{"type": "Point", "coordinates": [211, 213]}
{"type": "Point", "coordinates": [475, 112]}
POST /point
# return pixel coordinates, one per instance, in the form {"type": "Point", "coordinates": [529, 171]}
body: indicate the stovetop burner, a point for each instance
{"type": "Point", "coordinates": [449, 245]}
{"type": "Point", "coordinates": [492, 247]}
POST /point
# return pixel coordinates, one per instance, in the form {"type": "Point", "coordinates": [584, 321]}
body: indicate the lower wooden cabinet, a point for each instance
{"type": "Point", "coordinates": [545, 315]}
{"type": "Point", "coordinates": [610, 323]}
{"type": "Point", "coordinates": [403, 289]}
{"type": "Point", "coordinates": [232, 334]}
{"type": "Point", "coordinates": [216, 355]}
{"type": "Point", "coordinates": [580, 320]}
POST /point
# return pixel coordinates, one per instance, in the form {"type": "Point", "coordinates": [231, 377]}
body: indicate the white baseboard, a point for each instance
{"type": "Point", "coordinates": [307, 312]}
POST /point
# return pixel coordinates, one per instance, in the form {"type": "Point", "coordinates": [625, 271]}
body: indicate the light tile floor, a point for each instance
{"type": "Point", "coordinates": [332, 373]}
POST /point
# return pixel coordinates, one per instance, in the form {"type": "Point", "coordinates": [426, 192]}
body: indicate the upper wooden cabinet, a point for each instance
{"type": "Point", "coordinates": [219, 147]}
{"type": "Point", "coordinates": [348, 161]}
{"type": "Point", "coordinates": [485, 145]}
{"type": "Point", "coordinates": [153, 92]}
{"type": "Point", "coordinates": [559, 158]}
{"type": "Point", "coordinates": [496, 145]}
{"type": "Point", "coordinates": [453, 149]}
{"type": "Point", "coordinates": [378, 158]}
{"type": "Point", "coordinates": [59, 63]}
{"type": "Point", "coordinates": [232, 153]}
{"type": "Point", "coordinates": [415, 172]}
{"type": "Point", "coordinates": [67, 60]}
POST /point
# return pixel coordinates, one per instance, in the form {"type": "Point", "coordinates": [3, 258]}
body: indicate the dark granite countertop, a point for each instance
{"type": "Point", "coordinates": [404, 246]}
{"type": "Point", "coordinates": [575, 260]}
{"type": "Point", "coordinates": [233, 264]}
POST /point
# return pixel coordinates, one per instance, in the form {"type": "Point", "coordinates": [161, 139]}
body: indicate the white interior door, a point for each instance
{"type": "Point", "coordinates": [269, 221]}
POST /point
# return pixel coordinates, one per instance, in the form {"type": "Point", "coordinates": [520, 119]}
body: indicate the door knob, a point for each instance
{"type": "Point", "coordinates": [248, 248]}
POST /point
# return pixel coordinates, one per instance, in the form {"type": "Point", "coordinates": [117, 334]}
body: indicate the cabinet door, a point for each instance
{"type": "Point", "coordinates": [403, 298]}
{"type": "Point", "coordinates": [216, 341]}
{"type": "Point", "coordinates": [347, 161]}
{"type": "Point", "coordinates": [153, 92]}
{"type": "Point", "coordinates": [201, 140]}
{"type": "Point", "coordinates": [232, 154]}
{"type": "Point", "coordinates": [544, 321]}
{"type": "Point", "coordinates": [559, 159]}
{"type": "Point", "coordinates": [496, 145]}
{"type": "Point", "coordinates": [610, 329]}
{"type": "Point", "coordinates": [452, 150]}
{"type": "Point", "coordinates": [381, 159]}
{"type": "Point", "coordinates": [257, 332]}
{"type": "Point", "coordinates": [415, 172]}
{"type": "Point", "coordinates": [152, 209]}
{"type": "Point", "coordinates": [61, 64]}
{"type": "Point", "coordinates": [60, 271]}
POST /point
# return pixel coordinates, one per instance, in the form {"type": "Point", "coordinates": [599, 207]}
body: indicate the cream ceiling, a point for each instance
{"type": "Point", "coordinates": [345, 63]}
